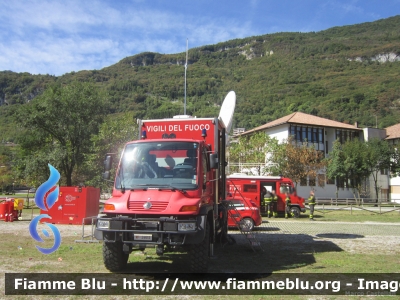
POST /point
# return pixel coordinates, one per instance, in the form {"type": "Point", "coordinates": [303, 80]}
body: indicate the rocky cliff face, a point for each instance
{"type": "Point", "coordinates": [381, 58]}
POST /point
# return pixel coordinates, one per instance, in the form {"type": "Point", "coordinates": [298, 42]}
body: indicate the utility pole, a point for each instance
{"type": "Point", "coordinates": [184, 109]}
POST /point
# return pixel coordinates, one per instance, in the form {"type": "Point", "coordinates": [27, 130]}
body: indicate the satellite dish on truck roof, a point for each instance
{"type": "Point", "coordinates": [227, 110]}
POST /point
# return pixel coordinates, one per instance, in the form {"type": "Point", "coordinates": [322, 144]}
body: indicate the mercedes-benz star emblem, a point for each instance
{"type": "Point", "coordinates": [147, 205]}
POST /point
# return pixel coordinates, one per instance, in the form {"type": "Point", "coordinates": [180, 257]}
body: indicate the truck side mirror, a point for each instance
{"type": "Point", "coordinates": [213, 161]}
{"type": "Point", "coordinates": [107, 167]}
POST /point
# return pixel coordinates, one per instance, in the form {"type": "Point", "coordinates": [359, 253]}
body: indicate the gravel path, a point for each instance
{"type": "Point", "coordinates": [350, 236]}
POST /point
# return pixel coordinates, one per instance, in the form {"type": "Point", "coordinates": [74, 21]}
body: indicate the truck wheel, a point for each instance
{"type": "Point", "coordinates": [198, 254]}
{"type": "Point", "coordinates": [247, 224]}
{"type": "Point", "coordinates": [114, 258]}
{"type": "Point", "coordinates": [295, 212]}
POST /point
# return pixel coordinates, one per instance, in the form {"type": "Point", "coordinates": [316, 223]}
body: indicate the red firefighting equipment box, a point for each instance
{"type": "Point", "coordinates": [75, 205]}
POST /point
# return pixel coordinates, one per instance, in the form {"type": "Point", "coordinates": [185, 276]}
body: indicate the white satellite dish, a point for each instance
{"type": "Point", "coordinates": [227, 110]}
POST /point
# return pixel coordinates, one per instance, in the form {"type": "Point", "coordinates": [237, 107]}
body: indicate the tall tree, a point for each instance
{"type": "Point", "coordinates": [378, 158]}
{"type": "Point", "coordinates": [250, 152]}
{"type": "Point", "coordinates": [334, 163]}
{"type": "Point", "coordinates": [298, 161]}
{"type": "Point", "coordinates": [63, 119]}
{"type": "Point", "coordinates": [354, 163]}
{"type": "Point", "coordinates": [113, 134]}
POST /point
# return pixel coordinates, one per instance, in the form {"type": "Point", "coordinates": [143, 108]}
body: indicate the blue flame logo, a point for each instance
{"type": "Point", "coordinates": [47, 187]}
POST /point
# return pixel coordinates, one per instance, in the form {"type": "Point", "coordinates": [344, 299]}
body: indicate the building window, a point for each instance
{"type": "Point", "coordinates": [311, 181]}
{"type": "Point", "coordinates": [330, 181]}
{"type": "Point", "coordinates": [321, 179]}
{"type": "Point", "coordinates": [303, 181]}
{"type": "Point", "coordinates": [340, 182]}
{"type": "Point", "coordinates": [312, 135]}
{"type": "Point", "coordinates": [345, 135]}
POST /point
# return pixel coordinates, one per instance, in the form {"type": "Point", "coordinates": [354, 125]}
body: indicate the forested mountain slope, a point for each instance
{"type": "Point", "coordinates": [349, 74]}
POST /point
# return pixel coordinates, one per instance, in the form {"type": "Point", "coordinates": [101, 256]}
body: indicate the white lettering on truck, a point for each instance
{"type": "Point", "coordinates": [177, 127]}
{"type": "Point", "coordinates": [156, 128]}
{"type": "Point", "coordinates": [196, 127]}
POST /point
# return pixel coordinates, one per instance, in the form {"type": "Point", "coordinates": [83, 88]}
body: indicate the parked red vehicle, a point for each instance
{"type": "Point", "coordinates": [244, 213]}
{"type": "Point", "coordinates": [241, 185]}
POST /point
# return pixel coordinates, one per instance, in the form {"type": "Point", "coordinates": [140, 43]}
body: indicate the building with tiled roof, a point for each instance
{"type": "Point", "coordinates": [304, 119]}
{"type": "Point", "coordinates": [393, 132]}
{"type": "Point", "coordinates": [393, 137]}
{"type": "Point", "coordinates": [322, 133]}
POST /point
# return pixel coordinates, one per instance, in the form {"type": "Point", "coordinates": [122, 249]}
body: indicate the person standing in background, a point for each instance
{"type": "Point", "coordinates": [311, 203]}
{"type": "Point", "coordinates": [287, 205]}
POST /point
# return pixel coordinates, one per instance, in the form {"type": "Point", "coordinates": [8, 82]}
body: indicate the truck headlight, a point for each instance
{"type": "Point", "coordinates": [186, 226]}
{"type": "Point", "coordinates": [103, 224]}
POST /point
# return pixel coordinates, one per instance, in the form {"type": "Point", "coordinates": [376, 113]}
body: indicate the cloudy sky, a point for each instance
{"type": "Point", "coordinates": [60, 36]}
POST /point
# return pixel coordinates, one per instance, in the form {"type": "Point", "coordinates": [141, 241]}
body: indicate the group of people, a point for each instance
{"type": "Point", "coordinates": [269, 201]}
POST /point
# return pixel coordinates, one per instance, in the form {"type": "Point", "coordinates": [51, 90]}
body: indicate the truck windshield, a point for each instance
{"type": "Point", "coordinates": [158, 164]}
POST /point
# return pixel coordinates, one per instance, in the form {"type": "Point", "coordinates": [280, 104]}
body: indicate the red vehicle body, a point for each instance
{"type": "Point", "coordinates": [243, 212]}
{"type": "Point", "coordinates": [241, 185]}
{"type": "Point", "coordinates": [167, 192]}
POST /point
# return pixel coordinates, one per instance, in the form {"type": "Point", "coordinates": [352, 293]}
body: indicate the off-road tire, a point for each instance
{"type": "Point", "coordinates": [199, 254]}
{"type": "Point", "coordinates": [114, 258]}
{"type": "Point", "coordinates": [295, 212]}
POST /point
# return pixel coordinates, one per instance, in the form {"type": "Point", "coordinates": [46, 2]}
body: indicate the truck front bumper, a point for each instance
{"type": "Point", "coordinates": [156, 231]}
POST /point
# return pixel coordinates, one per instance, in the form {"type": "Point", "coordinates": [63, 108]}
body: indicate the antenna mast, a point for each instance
{"type": "Point", "coordinates": [184, 112]}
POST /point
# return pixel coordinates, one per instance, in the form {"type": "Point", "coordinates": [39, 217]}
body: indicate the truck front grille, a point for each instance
{"type": "Point", "coordinates": [156, 206]}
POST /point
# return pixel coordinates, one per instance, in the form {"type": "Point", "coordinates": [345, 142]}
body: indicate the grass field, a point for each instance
{"type": "Point", "coordinates": [284, 253]}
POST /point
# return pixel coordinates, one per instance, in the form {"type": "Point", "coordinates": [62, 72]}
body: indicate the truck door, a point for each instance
{"type": "Point", "coordinates": [269, 186]}
{"type": "Point", "coordinates": [281, 190]}
{"type": "Point", "coordinates": [206, 178]}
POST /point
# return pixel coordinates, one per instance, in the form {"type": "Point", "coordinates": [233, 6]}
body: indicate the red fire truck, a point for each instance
{"type": "Point", "coordinates": [251, 186]}
{"type": "Point", "coordinates": [167, 192]}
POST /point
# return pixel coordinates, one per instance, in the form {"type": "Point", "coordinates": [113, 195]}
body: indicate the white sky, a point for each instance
{"type": "Point", "coordinates": [60, 36]}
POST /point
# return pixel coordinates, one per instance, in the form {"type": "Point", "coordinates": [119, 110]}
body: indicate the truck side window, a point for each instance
{"type": "Point", "coordinates": [204, 164]}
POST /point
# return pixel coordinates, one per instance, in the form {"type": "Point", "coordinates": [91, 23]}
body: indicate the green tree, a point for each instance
{"type": "Point", "coordinates": [378, 158]}
{"type": "Point", "coordinates": [113, 134]}
{"type": "Point", "coordinates": [346, 162]}
{"type": "Point", "coordinates": [60, 124]}
{"type": "Point", "coordinates": [6, 175]}
{"type": "Point", "coordinates": [354, 163]}
{"type": "Point", "coordinates": [334, 163]}
{"type": "Point", "coordinates": [251, 151]}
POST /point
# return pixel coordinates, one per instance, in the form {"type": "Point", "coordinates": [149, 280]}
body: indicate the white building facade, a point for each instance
{"type": "Point", "coordinates": [322, 133]}
{"type": "Point", "coordinates": [393, 137]}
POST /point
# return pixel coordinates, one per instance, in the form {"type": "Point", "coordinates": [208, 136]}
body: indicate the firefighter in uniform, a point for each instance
{"type": "Point", "coordinates": [274, 204]}
{"type": "Point", "coordinates": [287, 205]}
{"type": "Point", "coordinates": [268, 202]}
{"type": "Point", "coordinates": [262, 198]}
{"type": "Point", "coordinates": [311, 203]}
